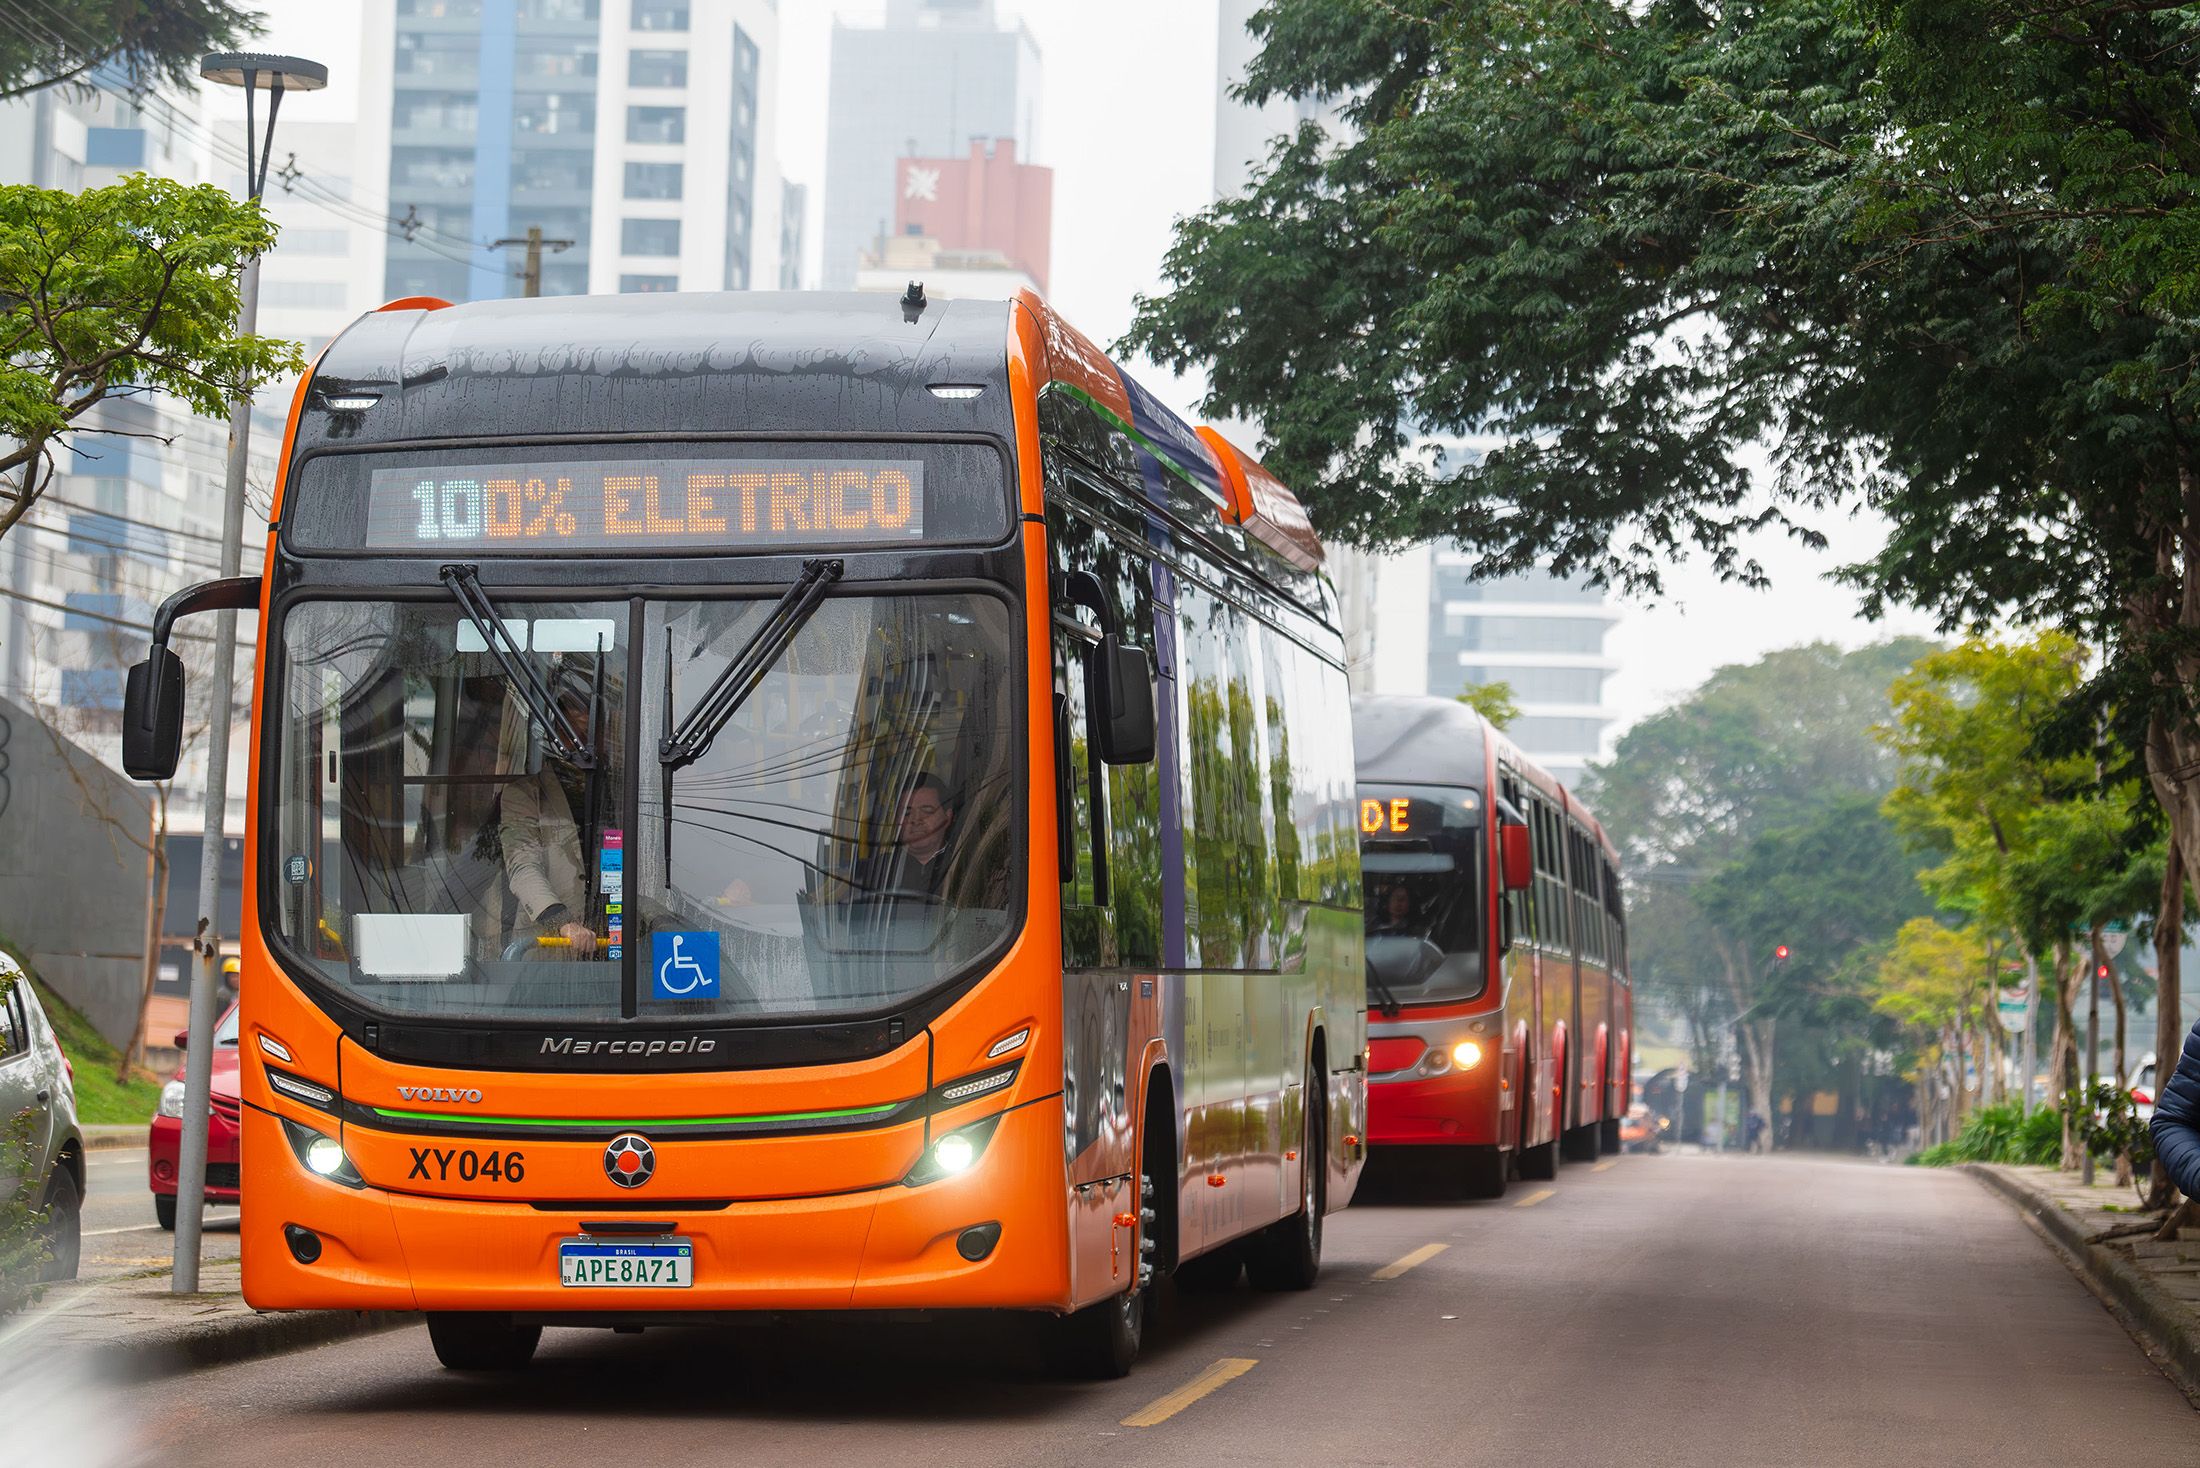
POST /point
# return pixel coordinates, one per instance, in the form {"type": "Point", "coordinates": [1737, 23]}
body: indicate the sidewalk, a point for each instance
{"type": "Point", "coordinates": [133, 1328]}
{"type": "Point", "coordinates": [2152, 1288]}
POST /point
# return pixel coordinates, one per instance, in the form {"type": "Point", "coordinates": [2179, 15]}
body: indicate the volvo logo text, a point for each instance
{"type": "Point", "coordinates": [629, 1160]}
{"type": "Point", "coordinates": [439, 1093]}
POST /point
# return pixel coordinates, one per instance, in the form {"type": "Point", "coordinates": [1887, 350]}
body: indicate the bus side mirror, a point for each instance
{"type": "Point", "coordinates": [1516, 860]}
{"type": "Point", "coordinates": [1125, 728]}
{"type": "Point", "coordinates": [152, 717]}
{"type": "Point", "coordinates": [152, 700]}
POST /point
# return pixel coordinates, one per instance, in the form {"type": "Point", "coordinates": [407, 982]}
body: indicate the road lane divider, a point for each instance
{"type": "Point", "coordinates": [1213, 1379]}
{"type": "Point", "coordinates": [1419, 1256]}
{"type": "Point", "coordinates": [1536, 1197]}
{"type": "Point", "coordinates": [1601, 1166]}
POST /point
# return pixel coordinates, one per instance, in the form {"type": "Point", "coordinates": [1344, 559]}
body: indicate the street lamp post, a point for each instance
{"type": "Point", "coordinates": [255, 73]}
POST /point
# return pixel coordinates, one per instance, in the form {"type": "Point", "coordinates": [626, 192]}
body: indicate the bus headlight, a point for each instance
{"type": "Point", "coordinates": [1466, 1055]}
{"type": "Point", "coordinates": [954, 1154]}
{"type": "Point", "coordinates": [1434, 1061]}
{"type": "Point", "coordinates": [321, 1155]}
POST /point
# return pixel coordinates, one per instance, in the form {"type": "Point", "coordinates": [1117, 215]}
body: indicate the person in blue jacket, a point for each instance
{"type": "Point", "coordinates": [2176, 1123]}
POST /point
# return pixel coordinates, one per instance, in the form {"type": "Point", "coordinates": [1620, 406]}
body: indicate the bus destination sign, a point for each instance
{"type": "Point", "coordinates": [647, 504]}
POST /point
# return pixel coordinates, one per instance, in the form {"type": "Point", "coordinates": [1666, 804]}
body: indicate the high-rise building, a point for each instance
{"type": "Point", "coordinates": [926, 82]}
{"type": "Point", "coordinates": [980, 226]}
{"type": "Point", "coordinates": [635, 134]}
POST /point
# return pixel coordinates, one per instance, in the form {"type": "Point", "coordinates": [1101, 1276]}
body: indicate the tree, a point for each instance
{"type": "Point", "coordinates": [1939, 258]}
{"type": "Point", "coordinates": [1938, 982]}
{"type": "Point", "coordinates": [112, 294]}
{"type": "Point", "coordinates": [1761, 748]}
{"type": "Point", "coordinates": [1493, 701]}
{"type": "Point", "coordinates": [62, 41]}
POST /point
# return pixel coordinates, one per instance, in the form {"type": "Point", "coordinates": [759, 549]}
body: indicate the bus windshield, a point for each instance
{"type": "Point", "coordinates": [845, 843]}
{"type": "Point", "coordinates": [1420, 860]}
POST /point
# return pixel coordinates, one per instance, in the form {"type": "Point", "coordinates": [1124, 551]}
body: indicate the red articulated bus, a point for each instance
{"type": "Point", "coordinates": [1500, 1012]}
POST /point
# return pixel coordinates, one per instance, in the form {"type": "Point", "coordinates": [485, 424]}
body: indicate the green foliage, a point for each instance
{"type": "Point", "coordinates": [64, 41]}
{"type": "Point", "coordinates": [2001, 1134]}
{"type": "Point", "coordinates": [2107, 1121]}
{"type": "Point", "coordinates": [1941, 259]}
{"type": "Point", "coordinates": [1493, 701]}
{"type": "Point", "coordinates": [112, 294]}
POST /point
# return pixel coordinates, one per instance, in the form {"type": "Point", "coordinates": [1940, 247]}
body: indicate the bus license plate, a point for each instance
{"type": "Point", "coordinates": [594, 1264]}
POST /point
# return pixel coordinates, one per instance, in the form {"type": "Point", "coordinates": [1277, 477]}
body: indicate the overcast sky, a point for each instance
{"type": "Point", "coordinates": [1128, 127]}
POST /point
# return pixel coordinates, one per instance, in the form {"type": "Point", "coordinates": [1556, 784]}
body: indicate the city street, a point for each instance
{"type": "Point", "coordinates": [120, 1236]}
{"type": "Point", "coordinates": [1654, 1310]}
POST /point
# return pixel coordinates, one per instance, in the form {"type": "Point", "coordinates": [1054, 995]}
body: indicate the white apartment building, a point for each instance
{"type": "Point", "coordinates": [638, 135]}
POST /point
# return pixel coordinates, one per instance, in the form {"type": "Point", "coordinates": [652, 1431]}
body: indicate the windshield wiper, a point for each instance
{"type": "Point", "coordinates": [1385, 1001]}
{"type": "Point", "coordinates": [747, 669]}
{"type": "Point", "coordinates": [563, 740]}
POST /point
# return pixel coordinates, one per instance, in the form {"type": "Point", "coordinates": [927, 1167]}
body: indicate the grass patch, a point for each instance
{"type": "Point", "coordinates": [2001, 1134]}
{"type": "Point", "coordinates": [101, 1100]}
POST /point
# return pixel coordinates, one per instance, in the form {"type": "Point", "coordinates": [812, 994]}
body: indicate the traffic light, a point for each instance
{"type": "Point", "coordinates": [1780, 953]}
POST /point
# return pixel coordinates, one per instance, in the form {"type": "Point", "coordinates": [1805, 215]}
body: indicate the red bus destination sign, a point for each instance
{"type": "Point", "coordinates": [646, 504]}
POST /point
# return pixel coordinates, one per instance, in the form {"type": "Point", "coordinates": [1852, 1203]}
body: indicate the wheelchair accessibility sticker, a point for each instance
{"type": "Point", "coordinates": [686, 965]}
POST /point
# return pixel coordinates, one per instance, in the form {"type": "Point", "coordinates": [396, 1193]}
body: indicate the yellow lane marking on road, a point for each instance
{"type": "Point", "coordinates": [1215, 1377]}
{"type": "Point", "coordinates": [1421, 1255]}
{"type": "Point", "coordinates": [1603, 1165]}
{"type": "Point", "coordinates": [1536, 1197]}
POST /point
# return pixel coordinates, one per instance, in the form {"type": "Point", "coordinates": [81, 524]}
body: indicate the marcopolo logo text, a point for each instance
{"type": "Point", "coordinates": [573, 1045]}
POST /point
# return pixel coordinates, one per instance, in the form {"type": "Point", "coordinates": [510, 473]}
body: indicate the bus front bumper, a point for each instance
{"type": "Point", "coordinates": [1456, 1109]}
{"type": "Point", "coordinates": [887, 1248]}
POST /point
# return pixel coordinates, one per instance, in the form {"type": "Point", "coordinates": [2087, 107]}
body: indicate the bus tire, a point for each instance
{"type": "Point", "coordinates": [1482, 1172]}
{"type": "Point", "coordinates": [1581, 1143]}
{"type": "Point", "coordinates": [1287, 1255]}
{"type": "Point", "coordinates": [1608, 1134]}
{"type": "Point", "coordinates": [1102, 1341]}
{"type": "Point", "coordinates": [1534, 1164]}
{"type": "Point", "coordinates": [482, 1342]}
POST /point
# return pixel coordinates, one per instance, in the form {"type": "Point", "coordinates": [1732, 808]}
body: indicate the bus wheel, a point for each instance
{"type": "Point", "coordinates": [1536, 1164]}
{"type": "Point", "coordinates": [482, 1342]}
{"type": "Point", "coordinates": [1287, 1255]}
{"type": "Point", "coordinates": [1608, 1134]}
{"type": "Point", "coordinates": [1482, 1173]}
{"type": "Point", "coordinates": [1101, 1341]}
{"type": "Point", "coordinates": [1580, 1144]}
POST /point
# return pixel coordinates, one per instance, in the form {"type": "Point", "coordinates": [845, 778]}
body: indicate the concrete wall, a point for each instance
{"type": "Point", "coordinates": [72, 886]}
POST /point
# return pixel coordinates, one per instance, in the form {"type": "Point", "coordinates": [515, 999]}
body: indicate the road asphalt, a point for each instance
{"type": "Point", "coordinates": [120, 1235]}
{"type": "Point", "coordinates": [1676, 1310]}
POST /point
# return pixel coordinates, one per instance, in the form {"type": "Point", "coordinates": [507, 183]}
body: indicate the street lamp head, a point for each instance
{"type": "Point", "coordinates": [266, 72]}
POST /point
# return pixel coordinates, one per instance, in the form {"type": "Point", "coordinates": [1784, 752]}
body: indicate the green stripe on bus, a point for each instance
{"type": "Point", "coordinates": [1159, 451]}
{"type": "Point", "coordinates": [638, 1126]}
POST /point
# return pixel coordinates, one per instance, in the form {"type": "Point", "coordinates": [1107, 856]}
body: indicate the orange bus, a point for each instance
{"type": "Point", "coordinates": [1501, 1008]}
{"type": "Point", "coordinates": [780, 802]}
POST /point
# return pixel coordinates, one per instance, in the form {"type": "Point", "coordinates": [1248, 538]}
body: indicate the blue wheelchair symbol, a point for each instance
{"type": "Point", "coordinates": [686, 965]}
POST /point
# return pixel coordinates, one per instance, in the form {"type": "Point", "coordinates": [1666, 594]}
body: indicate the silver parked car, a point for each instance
{"type": "Point", "coordinates": [37, 1083]}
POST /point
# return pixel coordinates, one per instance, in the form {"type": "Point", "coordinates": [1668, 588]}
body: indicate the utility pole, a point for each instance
{"type": "Point", "coordinates": [530, 275]}
{"type": "Point", "coordinates": [2031, 1020]}
{"type": "Point", "coordinates": [255, 72]}
{"type": "Point", "coordinates": [2092, 1054]}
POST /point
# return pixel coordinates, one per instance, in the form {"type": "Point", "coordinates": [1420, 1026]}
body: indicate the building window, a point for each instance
{"type": "Point", "coordinates": [656, 124]}
{"type": "Point", "coordinates": [1549, 736]}
{"type": "Point", "coordinates": [657, 69]}
{"type": "Point", "coordinates": [92, 688]}
{"type": "Point", "coordinates": [1541, 685]}
{"type": "Point", "coordinates": [1531, 634]}
{"type": "Point", "coordinates": [660, 15]}
{"type": "Point", "coordinates": [642, 285]}
{"type": "Point", "coordinates": [304, 295]}
{"type": "Point", "coordinates": [649, 237]}
{"type": "Point", "coordinates": [114, 147]}
{"type": "Point", "coordinates": [314, 242]}
{"type": "Point", "coordinates": [653, 180]}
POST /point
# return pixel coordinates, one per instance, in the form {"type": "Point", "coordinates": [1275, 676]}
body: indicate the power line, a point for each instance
{"type": "Point", "coordinates": [229, 155]}
{"type": "Point", "coordinates": [122, 622]}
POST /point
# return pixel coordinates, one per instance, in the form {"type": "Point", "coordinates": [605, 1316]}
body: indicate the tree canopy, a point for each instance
{"type": "Point", "coordinates": [112, 294]}
{"type": "Point", "coordinates": [56, 42]}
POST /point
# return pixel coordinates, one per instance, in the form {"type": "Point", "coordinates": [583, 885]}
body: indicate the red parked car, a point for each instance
{"type": "Point", "coordinates": [166, 1141]}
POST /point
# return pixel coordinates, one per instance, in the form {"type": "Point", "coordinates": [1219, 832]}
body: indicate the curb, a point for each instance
{"type": "Point", "coordinates": [174, 1350]}
{"type": "Point", "coordinates": [2167, 1333]}
{"type": "Point", "coordinates": [107, 1138]}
